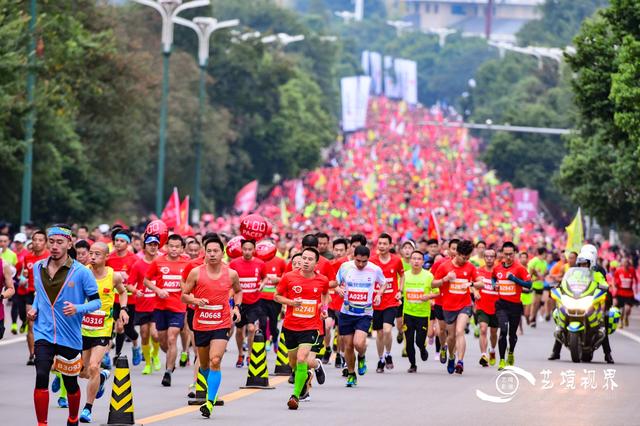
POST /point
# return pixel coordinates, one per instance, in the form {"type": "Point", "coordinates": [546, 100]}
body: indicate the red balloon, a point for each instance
{"type": "Point", "coordinates": [254, 227]}
{"type": "Point", "coordinates": [159, 229]}
{"type": "Point", "coordinates": [234, 247]}
{"type": "Point", "coordinates": [265, 250]}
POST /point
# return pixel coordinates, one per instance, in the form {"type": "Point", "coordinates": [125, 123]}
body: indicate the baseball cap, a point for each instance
{"type": "Point", "coordinates": [20, 238]}
{"type": "Point", "coordinates": [152, 239]}
{"type": "Point", "coordinates": [104, 228]}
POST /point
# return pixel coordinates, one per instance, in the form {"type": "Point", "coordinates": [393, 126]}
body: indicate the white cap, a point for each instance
{"type": "Point", "coordinates": [20, 238]}
{"type": "Point", "coordinates": [104, 228]}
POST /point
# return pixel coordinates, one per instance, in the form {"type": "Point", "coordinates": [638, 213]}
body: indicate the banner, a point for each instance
{"type": "Point", "coordinates": [246, 197]}
{"type": "Point", "coordinates": [432, 229]}
{"type": "Point", "coordinates": [407, 80]}
{"type": "Point", "coordinates": [575, 234]}
{"type": "Point", "coordinates": [525, 204]}
{"type": "Point", "coordinates": [184, 212]}
{"type": "Point", "coordinates": [390, 79]}
{"type": "Point", "coordinates": [171, 212]}
{"type": "Point", "coordinates": [299, 196]}
{"type": "Point", "coordinates": [355, 101]}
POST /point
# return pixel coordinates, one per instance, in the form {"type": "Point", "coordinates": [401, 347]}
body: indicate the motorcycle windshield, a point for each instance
{"type": "Point", "coordinates": [577, 280]}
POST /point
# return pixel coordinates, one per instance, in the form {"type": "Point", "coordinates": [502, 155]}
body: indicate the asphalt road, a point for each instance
{"type": "Point", "coordinates": [431, 396]}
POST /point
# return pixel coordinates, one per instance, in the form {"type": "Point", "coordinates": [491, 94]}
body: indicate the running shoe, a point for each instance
{"type": "Point", "coordinates": [166, 379]}
{"type": "Point", "coordinates": [327, 356]}
{"type": "Point", "coordinates": [85, 416]}
{"type": "Point", "coordinates": [388, 362]}
{"type": "Point", "coordinates": [63, 403]}
{"type": "Point", "coordinates": [380, 367]}
{"type": "Point", "coordinates": [31, 360]}
{"type": "Point", "coordinates": [338, 363]}
{"type": "Point", "coordinates": [105, 374]}
{"type": "Point", "coordinates": [352, 381]}
{"type": "Point", "coordinates": [106, 362]}
{"type": "Point", "coordinates": [362, 366]}
{"type": "Point", "coordinates": [24, 327]}
{"type": "Point", "coordinates": [293, 403]}
{"type": "Point", "coordinates": [459, 367]}
{"type": "Point", "coordinates": [206, 409]}
{"type": "Point", "coordinates": [136, 355]}
{"type": "Point", "coordinates": [502, 365]}
{"type": "Point", "coordinates": [451, 365]}
{"type": "Point", "coordinates": [424, 355]}
{"type": "Point", "coordinates": [305, 398]}
{"type": "Point", "coordinates": [492, 358]}
{"type": "Point", "coordinates": [484, 361]}
{"type": "Point", "coordinates": [156, 363]}
{"type": "Point", "coordinates": [14, 328]}
{"type": "Point", "coordinates": [443, 354]}
{"type": "Point", "coordinates": [533, 324]}
{"type": "Point", "coordinates": [304, 392]}
{"type": "Point", "coordinates": [184, 359]}
{"type": "Point", "coordinates": [412, 369]}
{"type": "Point", "coordinates": [345, 372]}
{"type": "Point", "coordinates": [511, 359]}
{"type": "Point", "coordinates": [240, 361]}
{"type": "Point", "coordinates": [147, 369]}
{"type": "Point", "coordinates": [476, 331]}
{"type": "Point", "coordinates": [192, 391]}
{"type": "Point", "coordinates": [320, 376]}
{"type": "Point", "coordinates": [55, 385]}
{"type": "Point", "coordinates": [400, 337]}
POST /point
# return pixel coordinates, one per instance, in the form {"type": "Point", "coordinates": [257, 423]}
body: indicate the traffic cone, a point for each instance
{"type": "Point", "coordinates": [121, 408]}
{"type": "Point", "coordinates": [282, 359]}
{"type": "Point", "coordinates": [258, 374]}
{"type": "Point", "coordinates": [201, 391]}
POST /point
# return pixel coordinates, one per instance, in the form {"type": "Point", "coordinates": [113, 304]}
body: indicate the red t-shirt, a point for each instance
{"type": "Point", "coordinates": [434, 268]}
{"type": "Point", "coordinates": [307, 316]}
{"type": "Point", "coordinates": [488, 296]}
{"type": "Point", "coordinates": [624, 279]}
{"type": "Point", "coordinates": [215, 315]}
{"type": "Point", "coordinates": [123, 264]}
{"type": "Point", "coordinates": [509, 290]}
{"type": "Point", "coordinates": [455, 294]}
{"type": "Point", "coordinates": [251, 273]}
{"type": "Point", "coordinates": [391, 270]}
{"type": "Point", "coordinates": [274, 267]}
{"type": "Point", "coordinates": [146, 303]}
{"type": "Point", "coordinates": [29, 261]}
{"type": "Point", "coordinates": [167, 275]}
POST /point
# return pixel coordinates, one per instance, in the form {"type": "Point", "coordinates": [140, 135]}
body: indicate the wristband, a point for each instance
{"type": "Point", "coordinates": [124, 308]}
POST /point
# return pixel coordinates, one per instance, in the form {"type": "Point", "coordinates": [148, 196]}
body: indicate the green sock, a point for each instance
{"type": "Point", "coordinates": [300, 378]}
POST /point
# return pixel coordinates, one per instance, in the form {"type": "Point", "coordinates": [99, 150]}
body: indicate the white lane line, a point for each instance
{"type": "Point", "coordinates": [16, 340]}
{"type": "Point", "coordinates": [631, 336]}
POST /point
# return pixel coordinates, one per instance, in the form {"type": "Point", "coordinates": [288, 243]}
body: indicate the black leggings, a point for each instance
{"type": "Point", "coordinates": [129, 328]}
{"type": "Point", "coordinates": [509, 315]}
{"type": "Point", "coordinates": [271, 310]}
{"type": "Point", "coordinates": [18, 308]}
{"type": "Point", "coordinates": [415, 331]}
{"type": "Point", "coordinates": [45, 352]}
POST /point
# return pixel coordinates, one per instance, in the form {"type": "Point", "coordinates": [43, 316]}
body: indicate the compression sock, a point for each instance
{"type": "Point", "coordinates": [213, 384]}
{"type": "Point", "coordinates": [41, 403]}
{"type": "Point", "coordinates": [146, 354]}
{"type": "Point", "coordinates": [74, 405]}
{"type": "Point", "coordinates": [155, 348]}
{"type": "Point", "coordinates": [300, 378]}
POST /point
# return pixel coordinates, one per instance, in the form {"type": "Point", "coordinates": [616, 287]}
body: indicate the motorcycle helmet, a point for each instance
{"type": "Point", "coordinates": [588, 254]}
{"type": "Point", "coordinates": [613, 319]}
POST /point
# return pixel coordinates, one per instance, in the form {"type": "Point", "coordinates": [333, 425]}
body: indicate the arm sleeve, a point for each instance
{"type": "Point", "coordinates": [93, 304]}
{"type": "Point", "coordinates": [523, 280]}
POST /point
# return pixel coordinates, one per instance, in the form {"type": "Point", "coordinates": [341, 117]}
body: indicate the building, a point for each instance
{"type": "Point", "coordinates": [470, 18]}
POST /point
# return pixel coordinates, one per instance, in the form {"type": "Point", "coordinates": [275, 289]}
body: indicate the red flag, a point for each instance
{"type": "Point", "coordinates": [246, 197]}
{"type": "Point", "coordinates": [432, 230]}
{"type": "Point", "coordinates": [171, 212]}
{"type": "Point", "coordinates": [184, 212]}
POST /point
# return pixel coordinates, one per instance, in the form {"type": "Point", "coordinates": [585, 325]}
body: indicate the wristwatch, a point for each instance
{"type": "Point", "coordinates": [124, 308]}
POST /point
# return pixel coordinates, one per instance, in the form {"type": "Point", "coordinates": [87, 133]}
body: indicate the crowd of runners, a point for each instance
{"type": "Point", "coordinates": [179, 299]}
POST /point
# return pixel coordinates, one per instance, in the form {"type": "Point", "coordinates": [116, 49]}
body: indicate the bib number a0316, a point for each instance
{"type": "Point", "coordinates": [94, 320]}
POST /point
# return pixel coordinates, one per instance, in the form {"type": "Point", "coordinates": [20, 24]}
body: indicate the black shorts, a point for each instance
{"type": "Point", "coordinates": [89, 342]}
{"type": "Point", "coordinates": [437, 312]}
{"type": "Point", "coordinates": [293, 339]}
{"type": "Point", "coordinates": [143, 318]}
{"type": "Point", "coordinates": [511, 309]}
{"type": "Point", "coordinates": [46, 351]}
{"type": "Point", "coordinates": [490, 319]}
{"type": "Point", "coordinates": [249, 314]}
{"type": "Point", "coordinates": [399, 310]}
{"type": "Point", "coordinates": [415, 323]}
{"type": "Point", "coordinates": [629, 301]}
{"type": "Point", "coordinates": [190, 314]}
{"type": "Point", "coordinates": [27, 299]}
{"type": "Point", "coordinates": [333, 315]}
{"type": "Point", "coordinates": [538, 291]}
{"type": "Point", "coordinates": [384, 316]}
{"type": "Point", "coordinates": [202, 338]}
{"type": "Point", "coordinates": [450, 317]}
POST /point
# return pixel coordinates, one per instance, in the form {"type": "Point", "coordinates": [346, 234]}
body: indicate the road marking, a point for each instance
{"type": "Point", "coordinates": [11, 341]}
{"type": "Point", "coordinates": [631, 336]}
{"type": "Point", "coordinates": [242, 393]}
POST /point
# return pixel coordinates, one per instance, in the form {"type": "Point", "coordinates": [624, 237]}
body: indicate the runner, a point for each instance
{"type": "Point", "coordinates": [57, 313]}
{"type": "Point", "coordinates": [7, 290]}
{"type": "Point", "coordinates": [510, 277]}
{"type": "Point", "coordinates": [194, 250]}
{"type": "Point", "coordinates": [121, 260]}
{"type": "Point", "coordinates": [405, 255]}
{"type": "Point", "coordinates": [97, 326]}
{"type": "Point", "coordinates": [384, 314]}
{"type": "Point", "coordinates": [441, 325]}
{"type": "Point", "coordinates": [454, 277]}
{"type": "Point", "coordinates": [323, 245]}
{"type": "Point", "coordinates": [18, 303]}
{"type": "Point", "coordinates": [486, 299]}
{"type": "Point", "coordinates": [417, 294]}
{"type": "Point", "coordinates": [145, 305]}
{"type": "Point", "coordinates": [207, 288]}
{"type": "Point", "coordinates": [163, 278]}
{"type": "Point", "coordinates": [270, 308]}
{"type": "Point", "coordinates": [303, 292]}
{"type": "Point", "coordinates": [82, 252]}
{"type": "Point", "coordinates": [252, 277]}
{"type": "Point", "coordinates": [478, 256]}
{"type": "Point", "coordinates": [537, 268]}
{"type": "Point", "coordinates": [625, 281]}
{"type": "Point", "coordinates": [331, 321]}
{"type": "Point", "coordinates": [357, 280]}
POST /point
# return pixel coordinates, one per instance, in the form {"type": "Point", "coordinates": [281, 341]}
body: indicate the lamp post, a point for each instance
{"type": "Point", "coordinates": [204, 27]}
{"type": "Point", "coordinates": [169, 10]}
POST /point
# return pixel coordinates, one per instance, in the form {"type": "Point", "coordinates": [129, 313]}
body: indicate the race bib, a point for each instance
{"type": "Point", "coordinates": [458, 286]}
{"type": "Point", "coordinates": [94, 320]}
{"type": "Point", "coordinates": [67, 367]}
{"type": "Point", "coordinates": [249, 286]}
{"type": "Point", "coordinates": [210, 314]}
{"type": "Point", "coordinates": [507, 288]}
{"type": "Point", "coordinates": [306, 310]}
{"type": "Point", "coordinates": [625, 282]}
{"type": "Point", "coordinates": [488, 287]}
{"type": "Point", "coordinates": [415, 296]}
{"type": "Point", "coordinates": [358, 297]}
{"type": "Point", "coordinates": [171, 283]}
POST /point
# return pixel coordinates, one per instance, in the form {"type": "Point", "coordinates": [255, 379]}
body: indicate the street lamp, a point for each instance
{"type": "Point", "coordinates": [400, 26]}
{"type": "Point", "coordinates": [169, 10]}
{"type": "Point", "coordinates": [204, 27]}
{"type": "Point", "coordinates": [442, 34]}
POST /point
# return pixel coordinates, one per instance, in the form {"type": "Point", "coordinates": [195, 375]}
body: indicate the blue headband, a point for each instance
{"type": "Point", "coordinates": [123, 237]}
{"type": "Point", "coordinates": [56, 230]}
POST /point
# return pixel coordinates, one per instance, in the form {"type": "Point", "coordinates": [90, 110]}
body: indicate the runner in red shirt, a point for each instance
{"type": "Point", "coordinates": [207, 287]}
{"type": "Point", "coordinates": [625, 281]}
{"type": "Point", "coordinates": [436, 312]}
{"type": "Point", "coordinates": [146, 303]}
{"type": "Point", "coordinates": [454, 278]}
{"type": "Point", "coordinates": [306, 294]}
{"type": "Point", "coordinates": [510, 277]}
{"type": "Point", "coordinates": [39, 252]}
{"type": "Point", "coordinates": [384, 314]}
{"type": "Point", "coordinates": [252, 279]}
{"type": "Point", "coordinates": [121, 260]}
{"type": "Point", "coordinates": [486, 299]}
{"type": "Point", "coordinates": [339, 254]}
{"type": "Point", "coordinates": [164, 277]}
{"type": "Point", "coordinates": [273, 270]}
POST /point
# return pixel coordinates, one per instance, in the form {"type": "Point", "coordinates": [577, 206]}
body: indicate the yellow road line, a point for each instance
{"type": "Point", "coordinates": [242, 393]}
